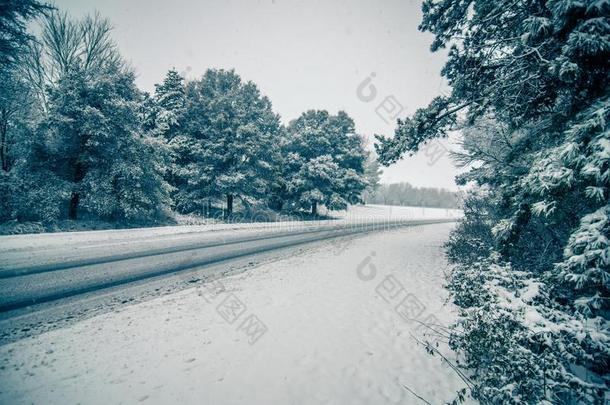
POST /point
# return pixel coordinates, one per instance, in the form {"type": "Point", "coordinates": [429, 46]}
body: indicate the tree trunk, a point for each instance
{"type": "Point", "coordinates": [79, 175]}
{"type": "Point", "coordinates": [314, 208]}
{"type": "Point", "coordinates": [73, 212]}
{"type": "Point", "coordinates": [229, 204]}
{"type": "Point", "coordinates": [4, 142]}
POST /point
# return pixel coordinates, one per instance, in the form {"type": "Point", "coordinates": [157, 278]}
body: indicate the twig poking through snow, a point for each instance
{"type": "Point", "coordinates": [454, 367]}
{"type": "Point", "coordinates": [411, 391]}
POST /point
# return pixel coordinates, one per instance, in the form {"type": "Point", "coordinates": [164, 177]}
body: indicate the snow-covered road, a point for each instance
{"type": "Point", "coordinates": [335, 323]}
{"type": "Point", "coordinates": [41, 268]}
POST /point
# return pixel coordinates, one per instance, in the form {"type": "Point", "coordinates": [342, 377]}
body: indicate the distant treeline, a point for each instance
{"type": "Point", "coordinates": [407, 195]}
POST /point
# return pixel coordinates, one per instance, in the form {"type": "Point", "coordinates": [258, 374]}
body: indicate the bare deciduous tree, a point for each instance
{"type": "Point", "coordinates": [66, 46]}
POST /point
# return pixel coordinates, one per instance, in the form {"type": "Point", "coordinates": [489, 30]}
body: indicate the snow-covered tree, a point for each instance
{"type": "Point", "coordinates": [318, 181]}
{"type": "Point", "coordinates": [65, 46]}
{"type": "Point", "coordinates": [170, 105]}
{"type": "Point", "coordinates": [89, 147]}
{"type": "Point", "coordinates": [14, 94]}
{"type": "Point", "coordinates": [14, 15]}
{"type": "Point", "coordinates": [230, 144]}
{"type": "Point", "coordinates": [325, 161]}
{"type": "Point", "coordinates": [530, 91]}
{"type": "Point", "coordinates": [15, 106]}
{"type": "Point", "coordinates": [372, 174]}
{"type": "Point", "coordinates": [87, 154]}
{"type": "Point", "coordinates": [15, 112]}
{"type": "Point", "coordinates": [163, 120]}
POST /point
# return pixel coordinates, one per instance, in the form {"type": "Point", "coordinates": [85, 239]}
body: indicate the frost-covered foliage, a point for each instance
{"type": "Point", "coordinates": [170, 104]}
{"type": "Point", "coordinates": [225, 142]}
{"type": "Point", "coordinates": [15, 109]}
{"type": "Point", "coordinates": [585, 268]}
{"type": "Point", "coordinates": [90, 149]}
{"type": "Point", "coordinates": [520, 344]}
{"type": "Point", "coordinates": [14, 95]}
{"type": "Point", "coordinates": [78, 140]}
{"type": "Point", "coordinates": [542, 219]}
{"type": "Point", "coordinates": [372, 174]}
{"type": "Point", "coordinates": [530, 93]}
{"type": "Point", "coordinates": [325, 161]}
{"type": "Point", "coordinates": [81, 151]}
{"type": "Point", "coordinates": [163, 120]}
{"type": "Point", "coordinates": [14, 15]}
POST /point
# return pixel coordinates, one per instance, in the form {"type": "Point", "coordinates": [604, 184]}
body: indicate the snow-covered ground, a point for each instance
{"type": "Point", "coordinates": [336, 323]}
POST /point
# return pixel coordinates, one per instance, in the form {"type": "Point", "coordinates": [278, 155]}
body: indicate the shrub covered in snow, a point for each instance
{"type": "Point", "coordinates": [520, 345]}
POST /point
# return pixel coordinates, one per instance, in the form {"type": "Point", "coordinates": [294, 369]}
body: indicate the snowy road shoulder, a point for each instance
{"type": "Point", "coordinates": [334, 324]}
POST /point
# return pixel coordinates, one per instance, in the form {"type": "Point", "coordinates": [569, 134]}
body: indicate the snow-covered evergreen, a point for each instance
{"type": "Point", "coordinates": [325, 161]}
{"type": "Point", "coordinates": [83, 152]}
{"type": "Point", "coordinates": [532, 277]}
{"type": "Point", "coordinates": [227, 146]}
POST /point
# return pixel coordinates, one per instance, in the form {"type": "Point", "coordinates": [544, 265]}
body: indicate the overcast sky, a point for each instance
{"type": "Point", "coordinates": [301, 54]}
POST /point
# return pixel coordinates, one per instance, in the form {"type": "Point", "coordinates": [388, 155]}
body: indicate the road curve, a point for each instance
{"type": "Point", "coordinates": [48, 272]}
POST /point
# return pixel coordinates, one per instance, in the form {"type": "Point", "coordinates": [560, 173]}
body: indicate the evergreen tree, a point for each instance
{"type": "Point", "coordinates": [91, 151]}
{"type": "Point", "coordinates": [164, 114]}
{"type": "Point", "coordinates": [530, 89]}
{"type": "Point", "coordinates": [230, 147]}
{"type": "Point", "coordinates": [170, 103]}
{"type": "Point", "coordinates": [14, 37]}
{"type": "Point", "coordinates": [15, 119]}
{"type": "Point", "coordinates": [325, 161]}
{"type": "Point", "coordinates": [87, 153]}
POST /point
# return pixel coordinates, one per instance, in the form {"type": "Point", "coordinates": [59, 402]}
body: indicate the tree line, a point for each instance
{"type": "Point", "coordinates": [79, 139]}
{"type": "Point", "coordinates": [405, 194]}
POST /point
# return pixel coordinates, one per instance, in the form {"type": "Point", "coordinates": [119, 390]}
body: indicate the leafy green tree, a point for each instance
{"type": "Point", "coordinates": [230, 143]}
{"type": "Point", "coordinates": [530, 91]}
